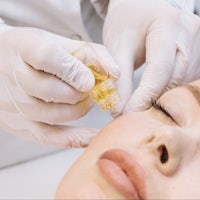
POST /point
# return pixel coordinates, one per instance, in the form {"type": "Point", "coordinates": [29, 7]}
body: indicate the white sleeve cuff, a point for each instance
{"type": "Point", "coordinates": [186, 5]}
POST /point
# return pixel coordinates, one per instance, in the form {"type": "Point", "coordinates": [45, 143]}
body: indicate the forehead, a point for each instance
{"type": "Point", "coordinates": [185, 99]}
{"type": "Point", "coordinates": [195, 91]}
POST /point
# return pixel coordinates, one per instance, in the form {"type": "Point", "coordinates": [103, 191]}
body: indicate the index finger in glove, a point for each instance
{"type": "Point", "coordinates": [98, 56]}
{"type": "Point", "coordinates": [160, 60]}
{"type": "Point", "coordinates": [44, 85]}
{"type": "Point", "coordinates": [91, 53]}
{"type": "Point", "coordinates": [54, 59]}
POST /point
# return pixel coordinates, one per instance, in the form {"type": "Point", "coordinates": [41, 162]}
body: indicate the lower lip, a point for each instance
{"type": "Point", "coordinates": [116, 176]}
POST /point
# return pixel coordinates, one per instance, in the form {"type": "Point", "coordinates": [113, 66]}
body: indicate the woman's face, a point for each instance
{"type": "Point", "coordinates": [153, 154]}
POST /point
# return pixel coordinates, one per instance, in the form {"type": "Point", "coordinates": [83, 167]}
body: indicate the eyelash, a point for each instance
{"type": "Point", "coordinates": [160, 107]}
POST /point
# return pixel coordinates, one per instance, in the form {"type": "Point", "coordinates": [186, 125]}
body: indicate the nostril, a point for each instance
{"type": "Point", "coordinates": [167, 159]}
{"type": "Point", "coordinates": [164, 155]}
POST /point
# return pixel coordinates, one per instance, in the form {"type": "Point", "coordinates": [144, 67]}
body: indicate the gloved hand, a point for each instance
{"type": "Point", "coordinates": [157, 34]}
{"type": "Point", "coordinates": [42, 85]}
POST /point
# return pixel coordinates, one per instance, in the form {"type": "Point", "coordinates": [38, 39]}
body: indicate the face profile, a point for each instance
{"type": "Point", "coordinates": [154, 154]}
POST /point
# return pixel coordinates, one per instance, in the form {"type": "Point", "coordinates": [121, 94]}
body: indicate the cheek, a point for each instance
{"type": "Point", "coordinates": [120, 131]}
{"type": "Point", "coordinates": [126, 132]}
{"type": "Point", "coordinates": [186, 182]}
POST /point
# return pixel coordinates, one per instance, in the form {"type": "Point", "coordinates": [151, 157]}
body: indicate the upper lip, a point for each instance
{"type": "Point", "coordinates": [132, 169]}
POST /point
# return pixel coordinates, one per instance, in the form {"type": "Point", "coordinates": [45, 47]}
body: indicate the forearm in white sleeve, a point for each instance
{"type": "Point", "coordinates": [186, 5]}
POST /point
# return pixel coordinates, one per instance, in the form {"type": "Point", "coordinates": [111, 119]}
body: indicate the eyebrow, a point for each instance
{"type": "Point", "coordinates": [195, 91]}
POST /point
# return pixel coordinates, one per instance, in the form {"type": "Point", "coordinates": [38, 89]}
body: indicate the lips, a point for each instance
{"type": "Point", "coordinates": [123, 172]}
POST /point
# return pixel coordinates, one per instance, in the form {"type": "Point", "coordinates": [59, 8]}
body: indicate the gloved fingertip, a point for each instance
{"type": "Point", "coordinates": [91, 133]}
{"type": "Point", "coordinates": [117, 111]}
{"type": "Point", "coordinates": [137, 105]}
{"type": "Point", "coordinates": [83, 138]}
{"type": "Point", "coordinates": [115, 72]}
{"type": "Point", "coordinates": [86, 81]}
{"type": "Point", "coordinates": [140, 100]}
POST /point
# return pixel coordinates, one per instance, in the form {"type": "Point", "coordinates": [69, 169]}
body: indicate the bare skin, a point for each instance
{"type": "Point", "coordinates": [152, 154]}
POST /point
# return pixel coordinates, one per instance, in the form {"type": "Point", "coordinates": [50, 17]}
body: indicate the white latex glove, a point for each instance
{"type": "Point", "coordinates": [42, 86]}
{"type": "Point", "coordinates": [157, 34]}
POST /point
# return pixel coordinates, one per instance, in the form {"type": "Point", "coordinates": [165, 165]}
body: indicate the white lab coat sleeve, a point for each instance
{"type": "Point", "coordinates": [186, 5]}
{"type": "Point", "coordinates": [101, 7]}
{"type": "Point", "coordinates": [61, 17]}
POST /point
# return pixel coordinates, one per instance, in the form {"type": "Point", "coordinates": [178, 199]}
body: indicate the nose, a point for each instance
{"type": "Point", "coordinates": [166, 149]}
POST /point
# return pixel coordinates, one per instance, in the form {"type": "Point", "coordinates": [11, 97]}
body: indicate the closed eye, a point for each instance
{"type": "Point", "coordinates": [162, 109]}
